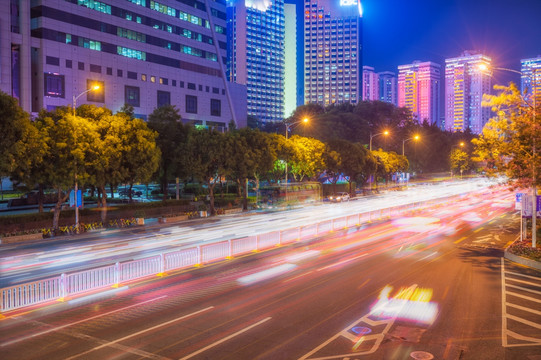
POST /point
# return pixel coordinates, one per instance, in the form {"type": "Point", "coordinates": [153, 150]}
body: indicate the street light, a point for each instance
{"type": "Point", "coordinates": [288, 126]}
{"type": "Point", "coordinates": [76, 190]}
{"type": "Point", "coordinates": [534, 190]}
{"type": "Point", "coordinates": [416, 137]}
{"type": "Point", "coordinates": [373, 136]}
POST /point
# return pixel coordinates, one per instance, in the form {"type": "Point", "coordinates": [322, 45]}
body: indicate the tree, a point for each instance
{"type": "Point", "coordinates": [70, 142]}
{"type": "Point", "coordinates": [347, 159]}
{"type": "Point", "coordinates": [249, 155]}
{"type": "Point", "coordinates": [141, 155]}
{"type": "Point", "coordinates": [166, 121]}
{"type": "Point", "coordinates": [307, 160]}
{"type": "Point", "coordinates": [460, 161]}
{"type": "Point", "coordinates": [510, 141]}
{"type": "Point", "coordinates": [15, 128]}
{"type": "Point", "coordinates": [205, 158]}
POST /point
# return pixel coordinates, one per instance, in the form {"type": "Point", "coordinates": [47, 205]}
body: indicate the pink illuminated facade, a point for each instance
{"type": "Point", "coordinates": [419, 89]}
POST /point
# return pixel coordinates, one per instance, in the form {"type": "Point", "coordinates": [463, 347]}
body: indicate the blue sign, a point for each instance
{"type": "Point", "coordinates": [79, 198]}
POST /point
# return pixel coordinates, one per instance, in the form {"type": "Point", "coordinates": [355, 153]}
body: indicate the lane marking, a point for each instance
{"type": "Point", "coordinates": [524, 297]}
{"type": "Point", "coordinates": [524, 308]}
{"type": "Point", "coordinates": [461, 239]}
{"type": "Point", "coordinates": [77, 322]}
{"type": "Point", "coordinates": [524, 282]}
{"type": "Point", "coordinates": [477, 230]}
{"type": "Point", "coordinates": [225, 338]}
{"type": "Point", "coordinates": [527, 276]}
{"type": "Point", "coordinates": [141, 332]}
{"type": "Point", "coordinates": [298, 276]}
{"type": "Point", "coordinates": [341, 262]}
{"type": "Point", "coordinates": [504, 309]}
{"type": "Point", "coordinates": [523, 288]}
{"type": "Point", "coordinates": [524, 321]}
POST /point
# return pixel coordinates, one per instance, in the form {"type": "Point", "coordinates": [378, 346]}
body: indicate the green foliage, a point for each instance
{"type": "Point", "coordinates": [510, 141]}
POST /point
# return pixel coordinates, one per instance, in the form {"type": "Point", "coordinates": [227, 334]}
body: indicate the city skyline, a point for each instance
{"type": "Point", "coordinates": [399, 32]}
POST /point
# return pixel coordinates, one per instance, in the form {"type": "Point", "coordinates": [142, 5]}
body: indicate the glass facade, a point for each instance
{"type": "Point", "coordinates": [332, 52]}
{"type": "Point", "coordinates": [256, 55]}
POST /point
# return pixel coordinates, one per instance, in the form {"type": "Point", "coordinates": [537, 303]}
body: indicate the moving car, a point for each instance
{"type": "Point", "coordinates": [339, 197]}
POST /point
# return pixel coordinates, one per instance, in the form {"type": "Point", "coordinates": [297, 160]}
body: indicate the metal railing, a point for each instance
{"type": "Point", "coordinates": [76, 283]}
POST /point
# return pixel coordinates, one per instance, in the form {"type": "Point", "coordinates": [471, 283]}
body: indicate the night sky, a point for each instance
{"type": "Point", "coordinates": [397, 32]}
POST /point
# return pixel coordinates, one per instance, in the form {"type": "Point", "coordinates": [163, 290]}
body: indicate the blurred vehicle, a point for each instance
{"type": "Point", "coordinates": [339, 197]}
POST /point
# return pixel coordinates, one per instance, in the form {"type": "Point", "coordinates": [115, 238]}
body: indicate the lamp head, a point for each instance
{"type": "Point", "coordinates": [386, 132]}
{"type": "Point", "coordinates": [416, 137]}
{"type": "Point", "coordinates": [95, 87]}
{"type": "Point", "coordinates": [305, 120]}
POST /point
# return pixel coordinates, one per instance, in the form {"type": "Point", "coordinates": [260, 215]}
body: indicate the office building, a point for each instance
{"type": "Point", "coordinates": [140, 52]}
{"type": "Point", "coordinates": [370, 84]}
{"type": "Point", "coordinates": [530, 81]}
{"type": "Point", "coordinates": [256, 55]}
{"type": "Point", "coordinates": [388, 88]}
{"type": "Point", "coordinates": [419, 89]}
{"type": "Point", "coordinates": [332, 51]}
{"type": "Point", "coordinates": [294, 56]}
{"type": "Point", "coordinates": [465, 84]}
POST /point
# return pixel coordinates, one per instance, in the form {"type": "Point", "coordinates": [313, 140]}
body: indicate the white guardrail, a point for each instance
{"type": "Point", "coordinates": [76, 283]}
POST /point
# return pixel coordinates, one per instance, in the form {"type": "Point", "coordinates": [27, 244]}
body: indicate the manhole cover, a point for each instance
{"type": "Point", "coordinates": [421, 355]}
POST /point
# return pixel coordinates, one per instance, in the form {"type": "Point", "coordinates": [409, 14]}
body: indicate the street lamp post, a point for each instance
{"type": "Point", "coordinates": [288, 126]}
{"type": "Point", "coordinates": [76, 190]}
{"type": "Point", "coordinates": [373, 136]}
{"type": "Point", "coordinates": [416, 137]}
{"type": "Point", "coordinates": [534, 190]}
{"type": "Point", "coordinates": [386, 132]}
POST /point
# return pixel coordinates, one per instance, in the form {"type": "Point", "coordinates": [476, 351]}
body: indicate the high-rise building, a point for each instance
{"type": "Point", "coordinates": [256, 54]}
{"type": "Point", "coordinates": [419, 89]}
{"type": "Point", "coordinates": [294, 56]}
{"type": "Point", "coordinates": [332, 51]}
{"type": "Point", "coordinates": [465, 83]}
{"type": "Point", "coordinates": [370, 84]}
{"type": "Point", "coordinates": [388, 89]}
{"type": "Point", "coordinates": [530, 81]}
{"type": "Point", "coordinates": [142, 53]}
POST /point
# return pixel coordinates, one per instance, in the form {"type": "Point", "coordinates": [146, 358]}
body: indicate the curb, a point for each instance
{"type": "Point", "coordinates": [521, 260]}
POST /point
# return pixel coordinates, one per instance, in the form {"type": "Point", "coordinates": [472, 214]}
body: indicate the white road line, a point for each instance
{"type": "Point", "coordinates": [525, 289]}
{"type": "Point", "coordinates": [341, 262]}
{"type": "Point", "coordinates": [524, 297]}
{"type": "Point", "coordinates": [77, 322]}
{"type": "Point", "coordinates": [225, 339]}
{"type": "Point", "coordinates": [504, 313]}
{"type": "Point", "coordinates": [527, 322]}
{"type": "Point", "coordinates": [526, 276]}
{"type": "Point", "coordinates": [524, 308]}
{"type": "Point", "coordinates": [524, 282]}
{"type": "Point", "coordinates": [140, 332]}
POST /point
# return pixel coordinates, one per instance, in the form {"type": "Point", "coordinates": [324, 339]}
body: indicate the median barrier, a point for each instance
{"type": "Point", "coordinates": [77, 283]}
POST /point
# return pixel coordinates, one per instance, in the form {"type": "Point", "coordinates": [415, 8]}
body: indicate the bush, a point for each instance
{"type": "Point", "coordinates": [525, 249]}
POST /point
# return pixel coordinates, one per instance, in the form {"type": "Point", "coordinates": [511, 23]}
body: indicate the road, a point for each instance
{"type": "Point", "coordinates": [23, 263]}
{"type": "Point", "coordinates": [452, 297]}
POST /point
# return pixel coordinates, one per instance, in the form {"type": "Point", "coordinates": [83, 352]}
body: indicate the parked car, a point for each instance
{"type": "Point", "coordinates": [339, 197]}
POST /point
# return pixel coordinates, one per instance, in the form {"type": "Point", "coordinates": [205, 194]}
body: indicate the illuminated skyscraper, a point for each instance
{"type": "Point", "coordinates": [294, 56]}
{"type": "Point", "coordinates": [370, 84]}
{"type": "Point", "coordinates": [465, 84]}
{"type": "Point", "coordinates": [531, 79]}
{"type": "Point", "coordinates": [419, 89]}
{"type": "Point", "coordinates": [255, 31]}
{"type": "Point", "coordinates": [141, 53]}
{"type": "Point", "coordinates": [332, 51]}
{"type": "Point", "coordinates": [388, 89]}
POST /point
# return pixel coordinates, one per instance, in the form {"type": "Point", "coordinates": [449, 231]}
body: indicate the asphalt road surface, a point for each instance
{"type": "Point", "coordinates": [20, 263]}
{"type": "Point", "coordinates": [429, 285]}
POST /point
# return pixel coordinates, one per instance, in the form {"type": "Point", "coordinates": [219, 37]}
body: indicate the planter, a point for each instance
{"type": "Point", "coordinates": [232, 211]}
{"type": "Point", "coordinates": [140, 221]}
{"type": "Point", "coordinates": [21, 238]}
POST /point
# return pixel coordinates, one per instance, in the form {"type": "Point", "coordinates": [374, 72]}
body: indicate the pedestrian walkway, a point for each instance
{"type": "Point", "coordinates": [521, 306]}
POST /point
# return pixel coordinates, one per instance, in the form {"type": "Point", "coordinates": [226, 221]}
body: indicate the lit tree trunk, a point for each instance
{"type": "Point", "coordinates": [103, 203]}
{"type": "Point", "coordinates": [40, 197]}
